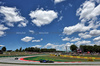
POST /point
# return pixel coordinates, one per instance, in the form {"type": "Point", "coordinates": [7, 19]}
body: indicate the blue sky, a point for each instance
{"type": "Point", "coordinates": [49, 23]}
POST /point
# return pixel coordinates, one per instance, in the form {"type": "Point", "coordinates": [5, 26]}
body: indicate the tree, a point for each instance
{"type": "Point", "coordinates": [73, 47]}
{"type": "Point", "coordinates": [16, 50]}
{"type": "Point", "coordinates": [20, 49]}
{"type": "Point", "coordinates": [4, 49]}
{"type": "Point", "coordinates": [48, 50]}
{"type": "Point", "coordinates": [82, 48]}
{"type": "Point", "coordinates": [86, 48]}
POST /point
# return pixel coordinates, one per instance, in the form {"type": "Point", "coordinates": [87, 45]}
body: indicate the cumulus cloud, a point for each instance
{"type": "Point", "coordinates": [85, 10]}
{"type": "Point", "coordinates": [66, 39]}
{"type": "Point", "coordinates": [2, 33]}
{"type": "Point", "coordinates": [58, 1]}
{"type": "Point", "coordinates": [71, 39]}
{"type": "Point", "coordinates": [37, 40]}
{"type": "Point", "coordinates": [31, 31]}
{"type": "Point", "coordinates": [88, 11]}
{"type": "Point", "coordinates": [2, 29]}
{"type": "Point", "coordinates": [12, 15]}
{"type": "Point", "coordinates": [27, 39]}
{"type": "Point", "coordinates": [1, 45]}
{"type": "Point", "coordinates": [97, 42]}
{"type": "Point", "coordinates": [50, 45]}
{"type": "Point", "coordinates": [58, 47]}
{"type": "Point", "coordinates": [96, 39]}
{"type": "Point", "coordinates": [42, 17]}
{"type": "Point", "coordinates": [75, 39]}
{"type": "Point", "coordinates": [84, 35]}
{"type": "Point", "coordinates": [83, 42]}
{"type": "Point", "coordinates": [76, 28]}
{"type": "Point", "coordinates": [38, 46]}
{"type": "Point", "coordinates": [95, 32]}
{"type": "Point", "coordinates": [22, 24]}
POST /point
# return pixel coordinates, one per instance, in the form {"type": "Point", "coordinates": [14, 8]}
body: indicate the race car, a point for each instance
{"type": "Point", "coordinates": [16, 58]}
{"type": "Point", "coordinates": [46, 61]}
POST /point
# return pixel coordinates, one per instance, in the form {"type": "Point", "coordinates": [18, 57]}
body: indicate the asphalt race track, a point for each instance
{"type": "Point", "coordinates": [44, 65]}
{"type": "Point", "coordinates": [11, 60]}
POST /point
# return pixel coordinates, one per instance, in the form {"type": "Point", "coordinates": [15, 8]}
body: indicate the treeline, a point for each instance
{"type": "Point", "coordinates": [86, 48]}
{"type": "Point", "coordinates": [35, 49]}
{"type": "Point", "coordinates": [94, 48]}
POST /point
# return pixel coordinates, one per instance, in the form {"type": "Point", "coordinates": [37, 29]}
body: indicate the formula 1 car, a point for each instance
{"type": "Point", "coordinates": [16, 58]}
{"type": "Point", "coordinates": [46, 61]}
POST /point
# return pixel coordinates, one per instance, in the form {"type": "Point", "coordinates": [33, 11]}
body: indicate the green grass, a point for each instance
{"type": "Point", "coordinates": [61, 59]}
{"type": "Point", "coordinates": [90, 55]}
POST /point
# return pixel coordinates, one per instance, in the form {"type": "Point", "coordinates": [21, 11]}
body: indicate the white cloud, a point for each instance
{"type": "Point", "coordinates": [66, 39]}
{"type": "Point", "coordinates": [95, 32]}
{"type": "Point", "coordinates": [84, 35]}
{"type": "Point", "coordinates": [97, 42]}
{"type": "Point", "coordinates": [2, 28]}
{"type": "Point", "coordinates": [37, 40]}
{"type": "Point", "coordinates": [58, 1]}
{"type": "Point", "coordinates": [10, 24]}
{"type": "Point", "coordinates": [38, 46]}
{"type": "Point", "coordinates": [83, 42]}
{"type": "Point", "coordinates": [88, 11]}
{"type": "Point", "coordinates": [42, 17]}
{"type": "Point", "coordinates": [71, 39]}
{"type": "Point", "coordinates": [75, 39]}
{"type": "Point", "coordinates": [58, 47]}
{"type": "Point", "coordinates": [12, 15]}
{"type": "Point", "coordinates": [50, 45]}
{"type": "Point", "coordinates": [76, 28]}
{"type": "Point", "coordinates": [96, 39]}
{"type": "Point", "coordinates": [22, 24]}
{"type": "Point", "coordinates": [2, 33]}
{"type": "Point", "coordinates": [1, 45]}
{"type": "Point", "coordinates": [27, 39]}
{"type": "Point", "coordinates": [31, 31]}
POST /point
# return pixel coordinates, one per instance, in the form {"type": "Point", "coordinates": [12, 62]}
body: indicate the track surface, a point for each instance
{"type": "Point", "coordinates": [44, 65]}
{"type": "Point", "coordinates": [12, 60]}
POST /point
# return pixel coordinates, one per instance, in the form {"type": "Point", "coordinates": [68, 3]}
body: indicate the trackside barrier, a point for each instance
{"type": "Point", "coordinates": [79, 57]}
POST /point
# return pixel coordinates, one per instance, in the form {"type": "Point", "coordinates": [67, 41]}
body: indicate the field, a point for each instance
{"type": "Point", "coordinates": [58, 59]}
